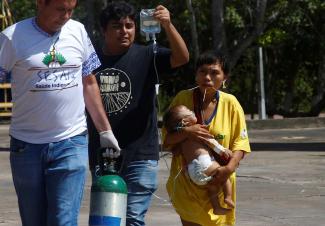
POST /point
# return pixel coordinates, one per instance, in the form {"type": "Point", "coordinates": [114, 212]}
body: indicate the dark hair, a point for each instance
{"type": "Point", "coordinates": [212, 57]}
{"type": "Point", "coordinates": [173, 118]}
{"type": "Point", "coordinates": [116, 11]}
{"type": "Point", "coordinates": [48, 1]}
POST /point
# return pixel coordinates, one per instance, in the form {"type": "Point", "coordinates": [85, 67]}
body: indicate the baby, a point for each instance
{"type": "Point", "coordinates": [201, 164]}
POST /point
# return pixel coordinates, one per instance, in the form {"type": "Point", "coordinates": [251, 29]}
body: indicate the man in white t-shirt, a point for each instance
{"type": "Point", "coordinates": [50, 59]}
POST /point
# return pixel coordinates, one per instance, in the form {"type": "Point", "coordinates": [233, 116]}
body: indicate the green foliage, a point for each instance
{"type": "Point", "coordinates": [273, 36]}
{"type": "Point", "coordinates": [295, 48]}
{"type": "Point", "coordinates": [293, 44]}
{"type": "Point", "coordinates": [233, 17]}
{"type": "Point", "coordinates": [22, 9]}
{"type": "Point", "coordinates": [243, 82]}
{"type": "Point", "coordinates": [303, 88]}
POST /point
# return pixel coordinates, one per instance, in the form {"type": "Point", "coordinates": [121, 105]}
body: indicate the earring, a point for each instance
{"type": "Point", "coordinates": [224, 84]}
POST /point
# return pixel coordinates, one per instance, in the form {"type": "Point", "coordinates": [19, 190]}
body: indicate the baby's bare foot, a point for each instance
{"type": "Point", "coordinates": [230, 203]}
{"type": "Point", "coordinates": [220, 211]}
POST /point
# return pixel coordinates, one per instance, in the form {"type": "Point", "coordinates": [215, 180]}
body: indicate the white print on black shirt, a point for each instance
{"type": "Point", "coordinates": [115, 89]}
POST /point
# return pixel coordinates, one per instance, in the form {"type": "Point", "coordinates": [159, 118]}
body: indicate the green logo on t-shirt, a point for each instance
{"type": "Point", "coordinates": [219, 136]}
{"type": "Point", "coordinates": [54, 59]}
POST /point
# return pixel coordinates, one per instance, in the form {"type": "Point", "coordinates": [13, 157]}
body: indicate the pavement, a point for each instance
{"type": "Point", "coordinates": [281, 183]}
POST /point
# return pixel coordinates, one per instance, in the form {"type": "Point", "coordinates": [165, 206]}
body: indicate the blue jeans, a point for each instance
{"type": "Point", "coordinates": [49, 180]}
{"type": "Point", "coordinates": [141, 180]}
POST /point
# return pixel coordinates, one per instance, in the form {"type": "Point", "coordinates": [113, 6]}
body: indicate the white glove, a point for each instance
{"type": "Point", "coordinates": [111, 153]}
{"type": "Point", "coordinates": [108, 140]}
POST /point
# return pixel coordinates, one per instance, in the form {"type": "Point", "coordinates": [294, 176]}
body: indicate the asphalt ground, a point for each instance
{"type": "Point", "coordinates": [281, 183]}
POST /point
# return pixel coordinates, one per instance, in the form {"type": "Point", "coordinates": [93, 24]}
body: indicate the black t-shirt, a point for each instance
{"type": "Point", "coordinates": [127, 87]}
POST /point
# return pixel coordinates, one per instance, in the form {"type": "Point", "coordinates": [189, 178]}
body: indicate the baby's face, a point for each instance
{"type": "Point", "coordinates": [188, 117]}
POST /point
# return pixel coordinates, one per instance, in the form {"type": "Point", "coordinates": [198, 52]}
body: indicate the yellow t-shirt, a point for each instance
{"type": "Point", "coordinates": [191, 201]}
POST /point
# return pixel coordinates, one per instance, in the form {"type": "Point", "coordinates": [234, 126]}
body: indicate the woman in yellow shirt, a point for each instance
{"type": "Point", "coordinates": [220, 116]}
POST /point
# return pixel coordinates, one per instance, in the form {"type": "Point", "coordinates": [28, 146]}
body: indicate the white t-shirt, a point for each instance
{"type": "Point", "coordinates": [46, 78]}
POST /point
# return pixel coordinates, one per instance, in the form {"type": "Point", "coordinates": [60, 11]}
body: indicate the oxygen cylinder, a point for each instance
{"type": "Point", "coordinates": [108, 198]}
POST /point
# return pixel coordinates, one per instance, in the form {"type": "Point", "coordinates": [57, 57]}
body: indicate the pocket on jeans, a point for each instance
{"type": "Point", "coordinates": [148, 175]}
{"type": "Point", "coordinates": [79, 140]}
{"type": "Point", "coordinates": [17, 146]}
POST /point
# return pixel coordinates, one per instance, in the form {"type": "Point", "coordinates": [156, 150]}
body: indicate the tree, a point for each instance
{"type": "Point", "coordinates": [288, 30]}
{"type": "Point", "coordinates": [291, 33]}
{"type": "Point", "coordinates": [23, 9]}
{"type": "Point", "coordinates": [295, 53]}
{"type": "Point", "coordinates": [194, 34]}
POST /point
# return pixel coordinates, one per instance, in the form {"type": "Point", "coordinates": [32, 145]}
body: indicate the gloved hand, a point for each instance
{"type": "Point", "coordinates": [111, 153]}
{"type": "Point", "coordinates": [108, 140]}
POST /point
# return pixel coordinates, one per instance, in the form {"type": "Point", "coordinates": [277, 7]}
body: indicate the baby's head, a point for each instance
{"type": "Point", "coordinates": [177, 117]}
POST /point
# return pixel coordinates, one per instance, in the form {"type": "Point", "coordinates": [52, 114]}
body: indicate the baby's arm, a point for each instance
{"type": "Point", "coordinates": [218, 148]}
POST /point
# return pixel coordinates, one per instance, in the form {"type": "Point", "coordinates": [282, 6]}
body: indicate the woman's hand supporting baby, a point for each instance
{"type": "Point", "coordinates": [224, 172]}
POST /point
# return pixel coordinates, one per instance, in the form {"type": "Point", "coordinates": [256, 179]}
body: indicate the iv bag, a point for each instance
{"type": "Point", "coordinates": [148, 24]}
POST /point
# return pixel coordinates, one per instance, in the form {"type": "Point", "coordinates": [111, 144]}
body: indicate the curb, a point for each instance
{"type": "Point", "coordinates": [286, 123]}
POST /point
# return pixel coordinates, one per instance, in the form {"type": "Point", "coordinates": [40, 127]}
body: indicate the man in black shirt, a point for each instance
{"type": "Point", "coordinates": [127, 81]}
